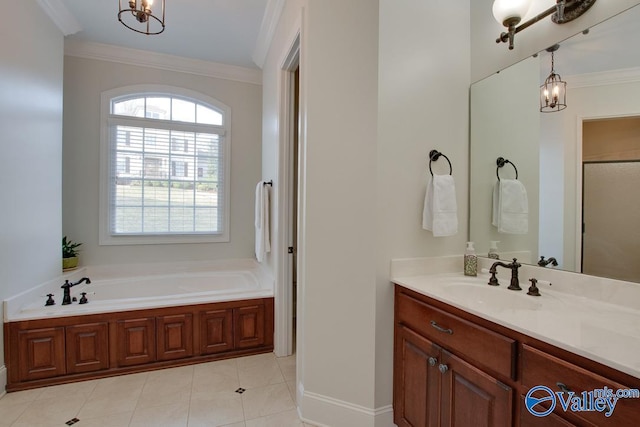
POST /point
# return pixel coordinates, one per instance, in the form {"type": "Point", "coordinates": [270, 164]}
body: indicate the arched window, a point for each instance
{"type": "Point", "coordinates": [165, 162]}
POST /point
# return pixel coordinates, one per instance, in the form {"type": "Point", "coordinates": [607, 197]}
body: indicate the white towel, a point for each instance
{"type": "Point", "coordinates": [440, 213]}
{"type": "Point", "coordinates": [263, 244]}
{"type": "Point", "coordinates": [510, 207]}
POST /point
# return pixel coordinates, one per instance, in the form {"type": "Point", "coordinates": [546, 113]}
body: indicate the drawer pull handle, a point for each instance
{"type": "Point", "coordinates": [433, 361]}
{"type": "Point", "coordinates": [443, 368]}
{"type": "Point", "coordinates": [563, 387]}
{"type": "Point", "coordinates": [440, 328]}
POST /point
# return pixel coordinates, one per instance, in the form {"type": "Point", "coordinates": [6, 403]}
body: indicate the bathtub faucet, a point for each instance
{"type": "Point", "coordinates": [66, 299]}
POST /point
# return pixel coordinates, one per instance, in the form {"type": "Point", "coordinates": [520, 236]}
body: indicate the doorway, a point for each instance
{"type": "Point", "coordinates": [610, 200]}
{"type": "Point", "coordinates": [287, 315]}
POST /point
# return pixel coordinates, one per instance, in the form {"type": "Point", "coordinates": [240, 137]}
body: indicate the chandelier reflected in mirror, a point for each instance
{"type": "Point", "coordinates": [141, 16]}
{"type": "Point", "coordinates": [553, 92]}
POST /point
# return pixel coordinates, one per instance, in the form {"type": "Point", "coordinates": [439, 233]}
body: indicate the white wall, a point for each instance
{"type": "Point", "coordinates": [31, 139]}
{"type": "Point", "coordinates": [379, 91]}
{"type": "Point", "coordinates": [487, 56]}
{"type": "Point", "coordinates": [423, 96]}
{"type": "Point", "coordinates": [85, 79]}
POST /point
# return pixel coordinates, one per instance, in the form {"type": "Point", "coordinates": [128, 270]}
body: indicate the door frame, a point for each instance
{"type": "Point", "coordinates": [283, 340]}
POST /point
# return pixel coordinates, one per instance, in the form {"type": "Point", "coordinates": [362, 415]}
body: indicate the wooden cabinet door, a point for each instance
{"type": "Point", "coordinates": [41, 353]}
{"type": "Point", "coordinates": [175, 336]}
{"type": "Point", "coordinates": [416, 380]}
{"type": "Point", "coordinates": [249, 326]}
{"type": "Point", "coordinates": [136, 343]}
{"type": "Point", "coordinates": [216, 331]}
{"type": "Point", "coordinates": [87, 347]}
{"type": "Point", "coordinates": [470, 397]}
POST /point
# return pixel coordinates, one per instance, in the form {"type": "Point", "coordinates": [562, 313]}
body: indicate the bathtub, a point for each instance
{"type": "Point", "coordinates": [139, 286]}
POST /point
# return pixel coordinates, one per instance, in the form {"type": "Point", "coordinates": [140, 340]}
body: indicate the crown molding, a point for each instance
{"type": "Point", "coordinates": [60, 15]}
{"type": "Point", "coordinates": [144, 58]}
{"type": "Point", "coordinates": [604, 78]}
{"type": "Point", "coordinates": [267, 30]}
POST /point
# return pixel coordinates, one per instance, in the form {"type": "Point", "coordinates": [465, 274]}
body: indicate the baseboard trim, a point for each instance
{"type": "Point", "coordinates": [328, 411]}
{"type": "Point", "coordinates": [3, 380]}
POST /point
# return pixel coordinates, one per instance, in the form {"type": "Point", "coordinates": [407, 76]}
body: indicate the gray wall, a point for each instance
{"type": "Point", "coordinates": [84, 80]}
{"type": "Point", "coordinates": [31, 140]}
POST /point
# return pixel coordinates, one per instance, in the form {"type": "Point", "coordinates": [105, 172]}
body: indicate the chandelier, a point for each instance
{"type": "Point", "coordinates": [553, 92]}
{"type": "Point", "coordinates": [138, 15]}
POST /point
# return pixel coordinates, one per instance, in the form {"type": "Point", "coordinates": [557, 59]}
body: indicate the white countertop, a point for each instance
{"type": "Point", "coordinates": [602, 331]}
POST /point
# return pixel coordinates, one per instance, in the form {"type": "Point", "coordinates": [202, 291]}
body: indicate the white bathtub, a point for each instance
{"type": "Point", "coordinates": [129, 287]}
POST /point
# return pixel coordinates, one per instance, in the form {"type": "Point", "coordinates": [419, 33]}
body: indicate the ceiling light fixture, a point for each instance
{"type": "Point", "coordinates": [553, 92]}
{"type": "Point", "coordinates": [139, 16]}
{"type": "Point", "coordinates": [510, 12]}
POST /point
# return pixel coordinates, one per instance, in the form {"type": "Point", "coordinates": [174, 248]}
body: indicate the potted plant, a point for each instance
{"type": "Point", "coordinates": [69, 253]}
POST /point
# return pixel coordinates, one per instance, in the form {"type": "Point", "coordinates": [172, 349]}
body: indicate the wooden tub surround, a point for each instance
{"type": "Point", "coordinates": [66, 349]}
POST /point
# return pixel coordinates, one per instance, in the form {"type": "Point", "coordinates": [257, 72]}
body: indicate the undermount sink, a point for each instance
{"type": "Point", "coordinates": [494, 298]}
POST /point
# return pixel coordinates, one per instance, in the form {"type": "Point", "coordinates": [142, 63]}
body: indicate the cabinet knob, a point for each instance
{"type": "Point", "coordinates": [563, 387]}
{"type": "Point", "coordinates": [443, 368]}
{"type": "Point", "coordinates": [433, 361]}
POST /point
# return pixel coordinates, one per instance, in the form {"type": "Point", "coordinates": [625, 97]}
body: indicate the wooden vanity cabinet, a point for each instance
{"type": "Point", "coordinates": [454, 368]}
{"type": "Point", "coordinates": [433, 386]}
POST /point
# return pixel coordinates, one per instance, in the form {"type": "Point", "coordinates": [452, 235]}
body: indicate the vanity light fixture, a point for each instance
{"type": "Point", "coordinates": [138, 16]}
{"type": "Point", "coordinates": [510, 12]}
{"type": "Point", "coordinates": [553, 92]}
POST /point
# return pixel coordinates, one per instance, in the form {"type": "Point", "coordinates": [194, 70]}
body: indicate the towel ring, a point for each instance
{"type": "Point", "coordinates": [501, 161]}
{"type": "Point", "coordinates": [434, 155]}
{"type": "Point", "coordinates": [269, 183]}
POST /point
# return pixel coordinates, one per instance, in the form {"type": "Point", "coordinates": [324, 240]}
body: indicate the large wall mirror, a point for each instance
{"type": "Point", "coordinates": [580, 166]}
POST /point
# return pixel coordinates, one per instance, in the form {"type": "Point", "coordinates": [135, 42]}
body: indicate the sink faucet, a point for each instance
{"type": "Point", "coordinates": [544, 262]}
{"type": "Point", "coordinates": [515, 283]}
{"type": "Point", "coordinates": [66, 299]}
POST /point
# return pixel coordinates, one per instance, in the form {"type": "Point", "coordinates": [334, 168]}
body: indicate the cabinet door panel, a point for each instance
{"type": "Point", "coordinates": [470, 397]}
{"type": "Point", "coordinates": [551, 420]}
{"type": "Point", "coordinates": [41, 353]}
{"type": "Point", "coordinates": [416, 382]}
{"type": "Point", "coordinates": [136, 341]}
{"type": "Point", "coordinates": [249, 326]}
{"type": "Point", "coordinates": [175, 336]}
{"type": "Point", "coordinates": [216, 331]}
{"type": "Point", "coordinates": [540, 368]}
{"type": "Point", "coordinates": [87, 347]}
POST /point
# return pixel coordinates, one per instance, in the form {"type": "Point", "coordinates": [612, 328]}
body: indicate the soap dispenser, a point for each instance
{"type": "Point", "coordinates": [493, 250]}
{"type": "Point", "coordinates": [470, 260]}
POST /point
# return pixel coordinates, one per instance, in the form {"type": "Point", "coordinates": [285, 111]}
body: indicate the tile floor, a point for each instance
{"type": "Point", "coordinates": [197, 395]}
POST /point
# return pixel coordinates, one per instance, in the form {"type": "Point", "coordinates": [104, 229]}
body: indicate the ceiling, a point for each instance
{"type": "Point", "coordinates": [223, 31]}
{"type": "Point", "coordinates": [610, 45]}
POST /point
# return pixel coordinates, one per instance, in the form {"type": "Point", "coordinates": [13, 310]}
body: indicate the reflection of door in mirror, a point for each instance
{"type": "Point", "coordinates": [611, 200]}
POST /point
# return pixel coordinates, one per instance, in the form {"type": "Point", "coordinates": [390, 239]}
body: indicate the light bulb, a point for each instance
{"type": "Point", "coordinates": [505, 10]}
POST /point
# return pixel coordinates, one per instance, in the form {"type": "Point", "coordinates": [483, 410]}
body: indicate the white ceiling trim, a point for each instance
{"type": "Point", "coordinates": [267, 30]}
{"type": "Point", "coordinates": [604, 78]}
{"type": "Point", "coordinates": [161, 61]}
{"type": "Point", "coordinates": [60, 16]}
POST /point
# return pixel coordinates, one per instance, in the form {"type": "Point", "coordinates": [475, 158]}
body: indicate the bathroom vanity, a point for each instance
{"type": "Point", "coordinates": [467, 354]}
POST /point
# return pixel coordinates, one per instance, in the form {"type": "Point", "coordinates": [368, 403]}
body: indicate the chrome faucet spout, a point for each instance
{"type": "Point", "coordinates": [513, 266]}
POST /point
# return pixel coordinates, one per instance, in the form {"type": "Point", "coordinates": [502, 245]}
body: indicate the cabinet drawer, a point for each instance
{"type": "Point", "coordinates": [485, 348]}
{"type": "Point", "coordinates": [540, 368]}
